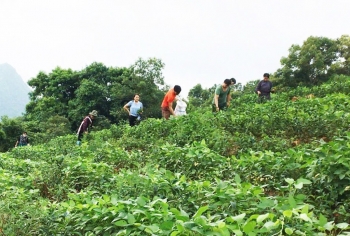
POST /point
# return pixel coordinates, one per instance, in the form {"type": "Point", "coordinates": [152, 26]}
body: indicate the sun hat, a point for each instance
{"type": "Point", "coordinates": [93, 113]}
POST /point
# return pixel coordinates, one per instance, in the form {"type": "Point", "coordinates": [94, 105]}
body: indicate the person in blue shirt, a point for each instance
{"type": "Point", "coordinates": [135, 109]}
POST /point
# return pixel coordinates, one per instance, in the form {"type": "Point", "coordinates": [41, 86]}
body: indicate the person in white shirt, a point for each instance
{"type": "Point", "coordinates": [181, 106]}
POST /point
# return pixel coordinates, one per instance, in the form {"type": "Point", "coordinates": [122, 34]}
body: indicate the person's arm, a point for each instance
{"type": "Point", "coordinates": [228, 99]}
{"type": "Point", "coordinates": [126, 108]}
{"type": "Point", "coordinates": [171, 108]}
{"type": "Point", "coordinates": [216, 101]}
{"type": "Point", "coordinates": [16, 143]}
{"type": "Point", "coordinates": [258, 88]}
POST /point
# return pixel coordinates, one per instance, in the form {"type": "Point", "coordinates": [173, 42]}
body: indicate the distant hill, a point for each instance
{"type": "Point", "coordinates": [13, 92]}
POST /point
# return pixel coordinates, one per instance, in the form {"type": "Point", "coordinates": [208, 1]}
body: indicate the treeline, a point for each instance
{"type": "Point", "coordinates": [60, 99]}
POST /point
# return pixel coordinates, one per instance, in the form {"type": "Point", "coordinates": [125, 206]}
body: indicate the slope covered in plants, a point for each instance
{"type": "Point", "coordinates": [278, 168]}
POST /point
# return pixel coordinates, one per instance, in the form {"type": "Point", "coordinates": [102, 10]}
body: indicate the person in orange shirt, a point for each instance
{"type": "Point", "coordinates": [167, 104]}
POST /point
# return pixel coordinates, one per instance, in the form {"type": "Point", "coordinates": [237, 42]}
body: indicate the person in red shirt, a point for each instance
{"type": "Point", "coordinates": [167, 104]}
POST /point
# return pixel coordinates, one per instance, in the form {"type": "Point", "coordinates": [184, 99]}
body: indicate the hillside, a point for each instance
{"type": "Point", "coordinates": [278, 168]}
{"type": "Point", "coordinates": [13, 92]}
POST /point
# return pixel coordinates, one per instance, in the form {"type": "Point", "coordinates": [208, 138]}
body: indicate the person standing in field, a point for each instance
{"type": "Point", "coordinates": [22, 140]}
{"type": "Point", "coordinates": [264, 88]}
{"type": "Point", "coordinates": [85, 125]}
{"type": "Point", "coordinates": [167, 104]}
{"type": "Point", "coordinates": [222, 96]}
{"type": "Point", "coordinates": [180, 108]}
{"type": "Point", "coordinates": [134, 108]}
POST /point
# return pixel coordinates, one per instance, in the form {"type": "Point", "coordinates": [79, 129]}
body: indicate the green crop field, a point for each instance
{"type": "Point", "coordinates": [277, 168]}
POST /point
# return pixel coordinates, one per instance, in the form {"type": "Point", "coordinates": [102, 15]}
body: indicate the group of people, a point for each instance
{"type": "Point", "coordinates": [221, 101]}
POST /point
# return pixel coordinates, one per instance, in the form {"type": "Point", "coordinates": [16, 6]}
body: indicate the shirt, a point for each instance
{"type": "Point", "coordinates": [222, 94]}
{"type": "Point", "coordinates": [169, 98]}
{"type": "Point", "coordinates": [264, 87]}
{"type": "Point", "coordinates": [134, 107]}
{"type": "Point", "coordinates": [85, 125]}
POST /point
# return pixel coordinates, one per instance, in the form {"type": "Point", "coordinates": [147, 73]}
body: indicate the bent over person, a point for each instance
{"type": "Point", "coordinates": [167, 104]}
{"type": "Point", "coordinates": [85, 124]}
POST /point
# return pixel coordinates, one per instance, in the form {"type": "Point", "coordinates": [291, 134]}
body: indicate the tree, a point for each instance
{"type": "Point", "coordinates": [310, 63]}
{"type": "Point", "coordinates": [73, 94]}
{"type": "Point", "coordinates": [199, 97]}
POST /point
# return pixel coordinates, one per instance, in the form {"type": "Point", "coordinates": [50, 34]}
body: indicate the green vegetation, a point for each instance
{"type": "Point", "coordinates": [235, 173]}
{"type": "Point", "coordinates": [277, 168]}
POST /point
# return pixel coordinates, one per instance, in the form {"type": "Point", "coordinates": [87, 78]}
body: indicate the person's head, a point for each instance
{"type": "Point", "coordinates": [227, 83]}
{"type": "Point", "coordinates": [233, 81]}
{"type": "Point", "coordinates": [136, 97]}
{"type": "Point", "coordinates": [24, 133]}
{"type": "Point", "coordinates": [93, 114]}
{"type": "Point", "coordinates": [266, 76]}
{"type": "Point", "coordinates": [177, 89]}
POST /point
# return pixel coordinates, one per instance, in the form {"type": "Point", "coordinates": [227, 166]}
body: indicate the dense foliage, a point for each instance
{"type": "Point", "coordinates": [278, 168]}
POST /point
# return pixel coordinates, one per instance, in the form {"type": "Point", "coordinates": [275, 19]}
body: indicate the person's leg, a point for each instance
{"type": "Point", "coordinates": [80, 137]}
{"type": "Point", "coordinates": [165, 113]}
{"type": "Point", "coordinates": [132, 120]}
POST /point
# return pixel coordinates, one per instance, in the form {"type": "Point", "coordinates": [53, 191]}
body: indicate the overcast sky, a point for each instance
{"type": "Point", "coordinates": [200, 41]}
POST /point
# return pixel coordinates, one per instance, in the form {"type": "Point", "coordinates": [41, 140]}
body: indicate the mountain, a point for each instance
{"type": "Point", "coordinates": [13, 92]}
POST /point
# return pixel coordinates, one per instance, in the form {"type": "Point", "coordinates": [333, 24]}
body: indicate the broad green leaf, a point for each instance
{"type": "Point", "coordinates": [291, 201]}
{"type": "Point", "coordinates": [322, 220]}
{"type": "Point", "coordinates": [166, 225]}
{"type": "Point", "coordinates": [153, 228]}
{"type": "Point", "coordinates": [121, 223]}
{"type": "Point", "coordinates": [304, 217]}
{"type": "Point", "coordinates": [342, 225]}
{"type": "Point", "coordinates": [237, 179]}
{"type": "Point", "coordinates": [200, 211]}
{"type": "Point", "coordinates": [298, 185]}
{"type": "Point", "coordinates": [140, 201]}
{"type": "Point", "coordinates": [288, 213]}
{"type": "Point", "coordinates": [329, 226]}
{"type": "Point", "coordinates": [288, 231]}
{"type": "Point", "coordinates": [237, 232]}
{"type": "Point", "coordinates": [269, 225]}
{"type": "Point", "coordinates": [131, 219]}
{"type": "Point", "coordinates": [239, 218]}
{"type": "Point", "coordinates": [304, 181]}
{"type": "Point", "coordinates": [305, 209]}
{"type": "Point", "coordinates": [262, 218]}
{"type": "Point", "coordinates": [289, 180]}
{"type": "Point", "coordinates": [249, 227]}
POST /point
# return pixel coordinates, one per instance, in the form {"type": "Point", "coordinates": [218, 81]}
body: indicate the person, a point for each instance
{"type": "Point", "coordinates": [222, 96]}
{"type": "Point", "coordinates": [167, 104]}
{"type": "Point", "coordinates": [264, 88]}
{"type": "Point", "coordinates": [233, 81]}
{"type": "Point", "coordinates": [22, 140]}
{"type": "Point", "coordinates": [180, 108]}
{"type": "Point", "coordinates": [85, 124]}
{"type": "Point", "coordinates": [134, 108]}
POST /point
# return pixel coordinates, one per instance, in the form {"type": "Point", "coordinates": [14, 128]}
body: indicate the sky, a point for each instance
{"type": "Point", "coordinates": [200, 41]}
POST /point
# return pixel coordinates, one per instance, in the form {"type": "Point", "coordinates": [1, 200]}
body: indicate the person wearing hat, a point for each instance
{"type": "Point", "coordinates": [85, 124]}
{"type": "Point", "coordinates": [167, 104]}
{"type": "Point", "coordinates": [222, 96]}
